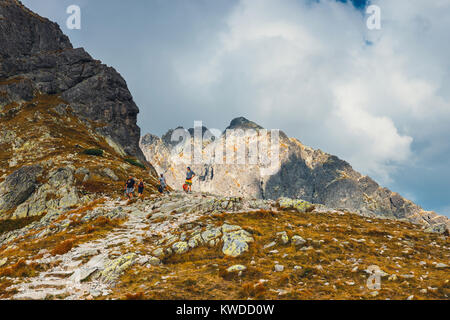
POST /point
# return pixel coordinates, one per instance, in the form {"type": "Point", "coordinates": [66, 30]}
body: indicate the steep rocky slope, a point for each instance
{"type": "Point", "coordinates": [36, 57]}
{"type": "Point", "coordinates": [50, 160]}
{"type": "Point", "coordinates": [303, 173]}
{"type": "Point", "coordinates": [68, 128]}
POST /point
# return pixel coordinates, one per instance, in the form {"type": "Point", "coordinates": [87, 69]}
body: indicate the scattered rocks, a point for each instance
{"type": "Point", "coordinates": [229, 228]}
{"type": "Point", "coordinates": [237, 268]}
{"type": "Point", "coordinates": [142, 260]}
{"type": "Point", "coordinates": [3, 261]}
{"type": "Point", "coordinates": [441, 265]}
{"type": "Point", "coordinates": [195, 241]}
{"type": "Point", "coordinates": [283, 237]}
{"type": "Point", "coordinates": [279, 268]}
{"type": "Point", "coordinates": [109, 173]}
{"type": "Point", "coordinates": [175, 233]}
{"type": "Point", "coordinates": [154, 261]}
{"type": "Point", "coordinates": [374, 293]}
{"type": "Point", "coordinates": [298, 241]}
{"type": "Point", "coordinates": [114, 268]}
{"type": "Point", "coordinates": [270, 245]}
{"type": "Point", "coordinates": [211, 234]}
{"type": "Point", "coordinates": [392, 277]}
{"type": "Point", "coordinates": [180, 247]}
{"type": "Point", "coordinates": [295, 204]}
{"type": "Point", "coordinates": [235, 243]}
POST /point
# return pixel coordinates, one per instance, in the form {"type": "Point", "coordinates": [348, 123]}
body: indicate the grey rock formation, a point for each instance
{"type": "Point", "coordinates": [304, 173]}
{"type": "Point", "coordinates": [18, 187]}
{"type": "Point", "coordinates": [36, 57]}
{"type": "Point", "coordinates": [56, 194]}
{"type": "Point", "coordinates": [243, 123]}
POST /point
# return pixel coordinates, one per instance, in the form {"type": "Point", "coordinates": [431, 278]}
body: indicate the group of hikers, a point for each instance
{"type": "Point", "coordinates": [162, 188]}
{"type": "Point", "coordinates": [129, 188]}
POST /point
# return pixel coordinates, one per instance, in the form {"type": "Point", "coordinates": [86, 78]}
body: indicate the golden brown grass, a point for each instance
{"type": "Point", "coordinates": [5, 292]}
{"type": "Point", "coordinates": [14, 224]}
{"type": "Point", "coordinates": [101, 223]}
{"type": "Point", "coordinates": [21, 269]}
{"type": "Point", "coordinates": [253, 290]}
{"type": "Point", "coordinates": [62, 248]}
{"type": "Point", "coordinates": [323, 272]}
{"type": "Point", "coordinates": [135, 296]}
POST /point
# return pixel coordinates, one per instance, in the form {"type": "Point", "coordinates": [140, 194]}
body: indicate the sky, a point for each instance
{"type": "Point", "coordinates": [379, 99]}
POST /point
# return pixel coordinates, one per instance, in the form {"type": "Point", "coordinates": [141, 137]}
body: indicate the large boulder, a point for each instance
{"type": "Point", "coordinates": [18, 187]}
{"type": "Point", "coordinates": [294, 204]}
{"type": "Point", "coordinates": [113, 269]}
{"type": "Point", "coordinates": [236, 243]}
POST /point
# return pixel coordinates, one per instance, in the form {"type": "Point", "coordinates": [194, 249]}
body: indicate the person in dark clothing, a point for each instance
{"type": "Point", "coordinates": [189, 176]}
{"type": "Point", "coordinates": [162, 184]}
{"type": "Point", "coordinates": [141, 189]}
{"type": "Point", "coordinates": [129, 187]}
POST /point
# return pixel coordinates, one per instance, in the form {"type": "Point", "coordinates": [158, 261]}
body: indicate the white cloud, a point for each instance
{"type": "Point", "coordinates": [306, 68]}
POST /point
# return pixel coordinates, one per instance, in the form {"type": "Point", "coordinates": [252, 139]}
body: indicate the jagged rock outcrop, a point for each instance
{"type": "Point", "coordinates": [303, 173]}
{"type": "Point", "coordinates": [37, 58]}
{"type": "Point", "coordinates": [18, 187]}
{"type": "Point", "coordinates": [67, 122]}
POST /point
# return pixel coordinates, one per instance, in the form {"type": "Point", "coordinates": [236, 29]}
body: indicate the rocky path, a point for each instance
{"type": "Point", "coordinates": [89, 269]}
{"type": "Point", "coordinates": [67, 280]}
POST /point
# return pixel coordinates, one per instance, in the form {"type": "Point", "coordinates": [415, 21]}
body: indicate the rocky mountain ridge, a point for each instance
{"type": "Point", "coordinates": [36, 57]}
{"type": "Point", "coordinates": [304, 173]}
{"type": "Point", "coordinates": [68, 122]}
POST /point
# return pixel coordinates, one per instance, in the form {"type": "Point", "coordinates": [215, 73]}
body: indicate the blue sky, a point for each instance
{"type": "Point", "coordinates": [379, 99]}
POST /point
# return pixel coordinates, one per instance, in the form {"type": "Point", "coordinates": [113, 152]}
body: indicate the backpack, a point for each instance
{"type": "Point", "coordinates": [185, 187]}
{"type": "Point", "coordinates": [160, 189]}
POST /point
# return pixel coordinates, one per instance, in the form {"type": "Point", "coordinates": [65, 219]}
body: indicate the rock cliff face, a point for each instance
{"type": "Point", "coordinates": [68, 128]}
{"type": "Point", "coordinates": [303, 173]}
{"type": "Point", "coordinates": [36, 57]}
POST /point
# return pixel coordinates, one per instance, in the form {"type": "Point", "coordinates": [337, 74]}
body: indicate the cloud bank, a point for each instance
{"type": "Point", "coordinates": [315, 69]}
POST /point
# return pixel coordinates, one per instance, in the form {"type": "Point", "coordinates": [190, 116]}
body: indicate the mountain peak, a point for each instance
{"type": "Point", "coordinates": [243, 123]}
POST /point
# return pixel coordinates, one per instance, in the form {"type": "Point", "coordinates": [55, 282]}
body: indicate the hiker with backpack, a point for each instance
{"type": "Point", "coordinates": [141, 189]}
{"type": "Point", "coordinates": [162, 184]}
{"type": "Point", "coordinates": [189, 176]}
{"type": "Point", "coordinates": [129, 187]}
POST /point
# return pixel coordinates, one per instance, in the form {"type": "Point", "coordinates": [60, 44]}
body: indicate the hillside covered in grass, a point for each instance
{"type": "Point", "coordinates": [205, 247]}
{"type": "Point", "coordinates": [51, 160]}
